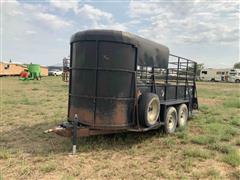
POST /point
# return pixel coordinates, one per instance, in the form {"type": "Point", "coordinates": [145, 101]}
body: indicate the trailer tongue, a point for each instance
{"type": "Point", "coordinates": [66, 129]}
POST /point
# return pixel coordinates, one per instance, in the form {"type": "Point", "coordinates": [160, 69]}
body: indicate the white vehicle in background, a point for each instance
{"type": "Point", "coordinates": [234, 75]}
{"type": "Point", "coordinates": [214, 74]}
{"type": "Point", "coordinates": [55, 72]}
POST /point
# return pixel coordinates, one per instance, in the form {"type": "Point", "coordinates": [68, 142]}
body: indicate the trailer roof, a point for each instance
{"type": "Point", "coordinates": [149, 53]}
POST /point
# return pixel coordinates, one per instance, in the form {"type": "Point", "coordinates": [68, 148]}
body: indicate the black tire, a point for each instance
{"type": "Point", "coordinates": [182, 115]}
{"type": "Point", "coordinates": [149, 109]}
{"type": "Point", "coordinates": [237, 81]}
{"type": "Point", "coordinates": [212, 80]}
{"type": "Point", "coordinates": [170, 121]}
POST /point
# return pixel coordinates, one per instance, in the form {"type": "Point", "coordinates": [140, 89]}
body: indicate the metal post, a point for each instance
{"type": "Point", "coordinates": [166, 84]}
{"type": "Point", "coordinates": [74, 138]}
{"type": "Point", "coordinates": [153, 81]}
{"type": "Point", "coordinates": [178, 67]}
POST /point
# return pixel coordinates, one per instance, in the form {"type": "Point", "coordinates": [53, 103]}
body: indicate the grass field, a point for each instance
{"type": "Point", "coordinates": [209, 148]}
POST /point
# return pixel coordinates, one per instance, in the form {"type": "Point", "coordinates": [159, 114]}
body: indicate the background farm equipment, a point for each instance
{"type": "Point", "coordinates": [33, 72]}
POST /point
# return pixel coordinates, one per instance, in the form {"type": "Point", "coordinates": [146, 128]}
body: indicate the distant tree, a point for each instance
{"type": "Point", "coordinates": [236, 65]}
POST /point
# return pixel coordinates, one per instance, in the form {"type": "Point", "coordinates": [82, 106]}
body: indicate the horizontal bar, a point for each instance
{"type": "Point", "coordinates": [181, 57]}
{"type": "Point", "coordinates": [182, 62]}
{"type": "Point", "coordinates": [164, 84]}
{"type": "Point", "coordinates": [98, 97]}
{"type": "Point", "coordinates": [119, 42]}
{"type": "Point", "coordinates": [102, 69]}
{"type": "Point", "coordinates": [175, 101]}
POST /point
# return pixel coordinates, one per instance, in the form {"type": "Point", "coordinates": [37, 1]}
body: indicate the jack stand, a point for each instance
{"type": "Point", "coordinates": [74, 138]}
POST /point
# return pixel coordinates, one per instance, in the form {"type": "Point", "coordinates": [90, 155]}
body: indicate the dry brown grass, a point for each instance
{"type": "Point", "coordinates": [207, 148]}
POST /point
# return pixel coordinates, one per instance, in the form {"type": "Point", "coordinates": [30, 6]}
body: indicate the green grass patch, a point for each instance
{"type": "Point", "coordinates": [221, 131]}
{"type": "Point", "coordinates": [48, 167]}
{"type": "Point", "coordinates": [235, 121]}
{"type": "Point", "coordinates": [169, 142]}
{"type": "Point", "coordinates": [4, 153]}
{"type": "Point", "coordinates": [223, 148]}
{"type": "Point", "coordinates": [232, 131]}
{"type": "Point", "coordinates": [235, 175]}
{"type": "Point", "coordinates": [213, 173]}
{"type": "Point", "coordinates": [232, 103]}
{"type": "Point", "coordinates": [183, 135]}
{"type": "Point", "coordinates": [25, 170]}
{"type": "Point", "coordinates": [10, 101]}
{"type": "Point", "coordinates": [196, 153]}
{"type": "Point", "coordinates": [204, 108]}
{"type": "Point", "coordinates": [232, 158]}
{"type": "Point", "coordinates": [203, 140]}
{"type": "Point", "coordinates": [229, 133]}
{"type": "Point", "coordinates": [208, 174]}
{"type": "Point", "coordinates": [237, 142]}
{"type": "Point", "coordinates": [26, 101]}
{"type": "Point", "coordinates": [226, 137]}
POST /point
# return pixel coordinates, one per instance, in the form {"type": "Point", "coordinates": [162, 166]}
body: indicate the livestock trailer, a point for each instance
{"type": "Point", "coordinates": [122, 82]}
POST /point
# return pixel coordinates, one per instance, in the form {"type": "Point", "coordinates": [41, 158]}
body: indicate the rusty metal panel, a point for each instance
{"type": "Point", "coordinates": [115, 82]}
{"type": "Point", "coordinates": [83, 81]}
{"type": "Point", "coordinates": [84, 108]}
{"type": "Point", "coordinates": [114, 113]}
{"type": "Point", "coordinates": [102, 83]}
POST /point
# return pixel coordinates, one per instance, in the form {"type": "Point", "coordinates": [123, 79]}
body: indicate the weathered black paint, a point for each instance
{"type": "Point", "coordinates": [103, 78]}
{"type": "Point", "coordinates": [149, 53]}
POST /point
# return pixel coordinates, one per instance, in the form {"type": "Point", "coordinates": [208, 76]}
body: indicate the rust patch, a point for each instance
{"type": "Point", "coordinates": [85, 116]}
{"type": "Point", "coordinates": [120, 114]}
{"type": "Point", "coordinates": [68, 132]}
{"type": "Point", "coordinates": [117, 117]}
{"type": "Point", "coordinates": [81, 132]}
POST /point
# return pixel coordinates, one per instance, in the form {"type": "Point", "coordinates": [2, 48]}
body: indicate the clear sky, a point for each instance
{"type": "Point", "coordinates": [39, 31]}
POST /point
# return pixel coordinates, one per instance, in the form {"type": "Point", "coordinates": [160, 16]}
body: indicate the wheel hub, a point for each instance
{"type": "Point", "coordinates": [153, 111]}
{"type": "Point", "coordinates": [171, 121]}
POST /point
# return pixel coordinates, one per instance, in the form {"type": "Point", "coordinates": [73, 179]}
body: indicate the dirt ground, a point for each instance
{"type": "Point", "coordinates": [208, 148]}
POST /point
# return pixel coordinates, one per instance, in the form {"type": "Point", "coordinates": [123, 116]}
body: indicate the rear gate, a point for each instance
{"type": "Point", "coordinates": [102, 83]}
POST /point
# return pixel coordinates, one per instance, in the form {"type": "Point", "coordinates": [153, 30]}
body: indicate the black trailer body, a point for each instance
{"type": "Point", "coordinates": [122, 82]}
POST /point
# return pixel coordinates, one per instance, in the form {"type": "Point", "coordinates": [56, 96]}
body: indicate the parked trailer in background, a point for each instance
{"type": "Point", "coordinates": [214, 74]}
{"type": "Point", "coordinates": [121, 82]}
{"type": "Point", "coordinates": [234, 75]}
